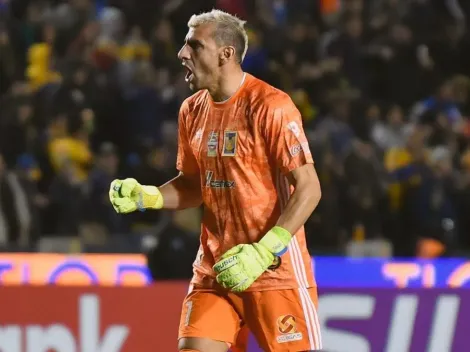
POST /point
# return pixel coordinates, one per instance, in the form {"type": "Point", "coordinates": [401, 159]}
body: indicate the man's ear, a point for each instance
{"type": "Point", "coordinates": [226, 54]}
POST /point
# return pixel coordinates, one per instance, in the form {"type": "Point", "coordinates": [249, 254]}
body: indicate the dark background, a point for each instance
{"type": "Point", "coordinates": [90, 91]}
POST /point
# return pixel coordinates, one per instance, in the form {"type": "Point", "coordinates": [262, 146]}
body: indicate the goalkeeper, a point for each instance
{"type": "Point", "coordinates": [243, 154]}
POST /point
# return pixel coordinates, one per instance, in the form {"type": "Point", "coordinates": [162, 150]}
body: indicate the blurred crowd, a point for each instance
{"type": "Point", "coordinates": [90, 91]}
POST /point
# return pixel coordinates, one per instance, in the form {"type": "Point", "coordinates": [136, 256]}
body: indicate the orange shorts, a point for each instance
{"type": "Point", "coordinates": [280, 320]}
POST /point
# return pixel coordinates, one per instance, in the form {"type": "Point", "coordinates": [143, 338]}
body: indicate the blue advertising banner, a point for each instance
{"type": "Point", "coordinates": [341, 272]}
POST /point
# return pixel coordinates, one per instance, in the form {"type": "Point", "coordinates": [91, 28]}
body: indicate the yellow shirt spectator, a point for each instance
{"type": "Point", "coordinates": [38, 70]}
{"type": "Point", "coordinates": [71, 150]}
{"type": "Point", "coordinates": [395, 159]}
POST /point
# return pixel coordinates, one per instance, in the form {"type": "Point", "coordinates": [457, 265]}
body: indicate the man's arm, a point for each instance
{"type": "Point", "coordinates": [288, 147]}
{"type": "Point", "coordinates": [304, 199]}
{"type": "Point", "coordinates": [243, 264]}
{"type": "Point", "coordinates": [183, 191]}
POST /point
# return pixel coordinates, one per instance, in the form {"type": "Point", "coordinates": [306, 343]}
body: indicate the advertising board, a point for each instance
{"type": "Point", "coordinates": [98, 319]}
{"type": "Point", "coordinates": [391, 320]}
{"type": "Point", "coordinates": [76, 270]}
{"type": "Point", "coordinates": [131, 270]}
{"type": "Point", "coordinates": [114, 319]}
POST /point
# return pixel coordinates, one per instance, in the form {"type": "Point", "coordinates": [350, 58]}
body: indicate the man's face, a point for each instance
{"type": "Point", "coordinates": [395, 116]}
{"type": "Point", "coordinates": [446, 92]}
{"type": "Point", "coordinates": [200, 56]}
{"type": "Point", "coordinates": [109, 162]}
{"type": "Point", "coordinates": [354, 27]}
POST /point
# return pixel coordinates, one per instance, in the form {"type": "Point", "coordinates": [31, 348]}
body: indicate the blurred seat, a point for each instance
{"type": "Point", "coordinates": [59, 245]}
{"type": "Point", "coordinates": [369, 248]}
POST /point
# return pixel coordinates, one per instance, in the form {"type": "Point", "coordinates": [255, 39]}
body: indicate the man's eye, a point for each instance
{"type": "Point", "coordinates": [195, 45]}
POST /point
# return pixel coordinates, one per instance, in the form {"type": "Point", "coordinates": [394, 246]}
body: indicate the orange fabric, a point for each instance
{"type": "Point", "coordinates": [281, 320]}
{"type": "Point", "coordinates": [207, 314]}
{"type": "Point", "coordinates": [242, 149]}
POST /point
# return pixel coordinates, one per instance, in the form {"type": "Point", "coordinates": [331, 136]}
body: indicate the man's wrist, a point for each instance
{"type": "Point", "coordinates": [152, 197]}
{"type": "Point", "coordinates": [276, 240]}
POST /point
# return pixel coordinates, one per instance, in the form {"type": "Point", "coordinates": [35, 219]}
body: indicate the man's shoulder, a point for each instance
{"type": "Point", "coordinates": [193, 101]}
{"type": "Point", "coordinates": [264, 95]}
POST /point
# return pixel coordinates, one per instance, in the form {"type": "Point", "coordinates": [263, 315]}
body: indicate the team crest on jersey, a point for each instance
{"type": "Point", "coordinates": [230, 143]}
{"type": "Point", "coordinates": [212, 144]}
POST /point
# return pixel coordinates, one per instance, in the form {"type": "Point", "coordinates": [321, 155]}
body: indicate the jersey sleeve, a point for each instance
{"type": "Point", "coordinates": [285, 137]}
{"type": "Point", "coordinates": [185, 160]}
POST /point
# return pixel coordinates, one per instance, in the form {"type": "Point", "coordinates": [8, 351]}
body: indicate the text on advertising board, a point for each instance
{"type": "Point", "coordinates": [131, 270]}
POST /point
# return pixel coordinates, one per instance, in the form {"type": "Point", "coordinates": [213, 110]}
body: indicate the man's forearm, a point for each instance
{"type": "Point", "coordinates": [298, 209]}
{"type": "Point", "coordinates": [182, 192]}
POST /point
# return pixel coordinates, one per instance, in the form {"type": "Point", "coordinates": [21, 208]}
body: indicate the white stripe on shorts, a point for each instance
{"type": "Point", "coordinates": [310, 312]}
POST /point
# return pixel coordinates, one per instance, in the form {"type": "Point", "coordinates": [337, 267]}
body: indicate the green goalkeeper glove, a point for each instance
{"type": "Point", "coordinates": [129, 195]}
{"type": "Point", "coordinates": [242, 265]}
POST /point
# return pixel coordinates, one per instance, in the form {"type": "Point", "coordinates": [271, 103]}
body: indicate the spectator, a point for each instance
{"type": "Point", "coordinates": [396, 73]}
{"type": "Point", "coordinates": [335, 130]}
{"type": "Point", "coordinates": [392, 132]}
{"type": "Point", "coordinates": [41, 71]}
{"type": "Point", "coordinates": [163, 45]}
{"type": "Point", "coordinates": [18, 133]}
{"type": "Point", "coordinates": [256, 58]}
{"type": "Point", "coordinates": [100, 218]}
{"type": "Point", "coordinates": [8, 63]}
{"type": "Point", "coordinates": [432, 206]}
{"type": "Point", "coordinates": [68, 148]}
{"type": "Point", "coordinates": [15, 211]}
{"type": "Point", "coordinates": [349, 48]}
{"type": "Point", "coordinates": [176, 248]}
{"type": "Point", "coordinates": [74, 94]}
{"type": "Point", "coordinates": [463, 200]}
{"type": "Point", "coordinates": [365, 189]}
{"type": "Point", "coordinates": [66, 197]}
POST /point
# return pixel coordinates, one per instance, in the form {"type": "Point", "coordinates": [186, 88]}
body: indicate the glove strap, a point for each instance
{"type": "Point", "coordinates": [151, 198]}
{"type": "Point", "coordinates": [276, 240]}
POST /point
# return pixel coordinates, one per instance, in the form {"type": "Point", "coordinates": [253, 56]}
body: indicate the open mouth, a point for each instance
{"type": "Point", "coordinates": [189, 74]}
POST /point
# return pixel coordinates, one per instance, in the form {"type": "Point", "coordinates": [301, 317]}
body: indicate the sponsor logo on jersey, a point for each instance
{"type": "Point", "coordinates": [212, 144]}
{"type": "Point", "coordinates": [287, 326]}
{"type": "Point", "coordinates": [230, 143]}
{"type": "Point", "coordinates": [296, 149]}
{"type": "Point", "coordinates": [210, 182]}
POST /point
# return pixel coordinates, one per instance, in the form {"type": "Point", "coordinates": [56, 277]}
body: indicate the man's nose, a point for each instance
{"type": "Point", "coordinates": [183, 54]}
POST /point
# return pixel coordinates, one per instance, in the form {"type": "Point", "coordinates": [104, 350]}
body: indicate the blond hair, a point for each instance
{"type": "Point", "coordinates": [230, 30]}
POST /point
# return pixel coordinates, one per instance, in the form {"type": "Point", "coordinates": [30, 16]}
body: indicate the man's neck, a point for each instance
{"type": "Point", "coordinates": [227, 86]}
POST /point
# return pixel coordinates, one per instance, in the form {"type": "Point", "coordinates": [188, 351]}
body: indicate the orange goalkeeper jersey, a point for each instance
{"type": "Point", "coordinates": [242, 149]}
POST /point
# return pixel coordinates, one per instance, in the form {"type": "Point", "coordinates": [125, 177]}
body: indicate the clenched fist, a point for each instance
{"type": "Point", "coordinates": [129, 195]}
